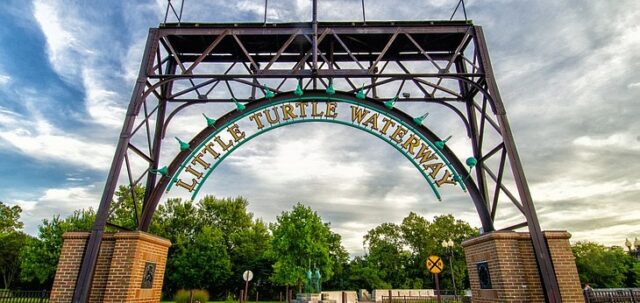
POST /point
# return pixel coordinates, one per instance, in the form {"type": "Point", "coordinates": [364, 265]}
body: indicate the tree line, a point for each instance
{"type": "Point", "coordinates": [214, 240]}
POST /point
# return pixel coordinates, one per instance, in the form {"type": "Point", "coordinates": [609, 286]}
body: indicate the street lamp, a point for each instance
{"type": "Point", "coordinates": [633, 252]}
{"type": "Point", "coordinates": [448, 251]}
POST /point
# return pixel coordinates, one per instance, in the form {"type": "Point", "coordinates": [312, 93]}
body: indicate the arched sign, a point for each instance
{"type": "Point", "coordinates": [199, 158]}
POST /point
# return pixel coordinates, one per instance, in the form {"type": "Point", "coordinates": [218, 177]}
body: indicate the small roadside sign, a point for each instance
{"type": "Point", "coordinates": [435, 264]}
{"type": "Point", "coordinates": [247, 275]}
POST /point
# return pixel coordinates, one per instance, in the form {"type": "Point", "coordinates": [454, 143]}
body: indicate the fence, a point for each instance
{"type": "Point", "coordinates": [631, 295]}
{"type": "Point", "coordinates": [424, 299]}
{"type": "Point", "coordinates": [23, 296]}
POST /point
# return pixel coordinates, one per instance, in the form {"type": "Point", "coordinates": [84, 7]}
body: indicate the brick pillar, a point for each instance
{"type": "Point", "coordinates": [119, 271]}
{"type": "Point", "coordinates": [101, 274]}
{"type": "Point", "coordinates": [68, 266]}
{"type": "Point", "coordinates": [131, 252]}
{"type": "Point", "coordinates": [565, 262]}
{"type": "Point", "coordinates": [513, 270]}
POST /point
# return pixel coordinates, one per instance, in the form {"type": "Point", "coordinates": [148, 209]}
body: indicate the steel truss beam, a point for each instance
{"type": "Point", "coordinates": [440, 63]}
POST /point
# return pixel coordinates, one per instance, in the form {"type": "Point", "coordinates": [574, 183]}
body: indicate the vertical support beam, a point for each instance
{"type": "Point", "coordinates": [83, 283]}
{"type": "Point", "coordinates": [475, 135]}
{"type": "Point", "coordinates": [540, 247]}
{"type": "Point", "coordinates": [315, 36]}
{"type": "Point", "coordinates": [165, 91]}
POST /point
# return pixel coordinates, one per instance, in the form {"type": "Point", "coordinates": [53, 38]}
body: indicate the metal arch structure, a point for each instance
{"type": "Point", "coordinates": [205, 136]}
{"type": "Point", "coordinates": [441, 63]}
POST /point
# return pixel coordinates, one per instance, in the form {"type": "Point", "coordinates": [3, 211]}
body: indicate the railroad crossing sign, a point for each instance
{"type": "Point", "coordinates": [435, 264]}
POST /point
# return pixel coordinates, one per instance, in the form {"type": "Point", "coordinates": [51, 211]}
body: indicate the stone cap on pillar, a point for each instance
{"type": "Point", "coordinates": [513, 235]}
{"type": "Point", "coordinates": [137, 235]}
{"type": "Point", "coordinates": [143, 236]}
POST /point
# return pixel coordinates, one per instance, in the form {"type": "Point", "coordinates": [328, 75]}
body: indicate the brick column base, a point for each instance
{"type": "Point", "coordinates": [123, 259]}
{"type": "Point", "coordinates": [512, 268]}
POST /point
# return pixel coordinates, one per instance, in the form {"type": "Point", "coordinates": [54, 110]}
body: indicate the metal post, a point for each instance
{"type": "Point", "coordinates": [246, 291]}
{"type": "Point", "coordinates": [266, 2]}
{"type": "Point", "coordinates": [85, 277]}
{"type": "Point", "coordinates": [543, 257]}
{"type": "Point", "coordinates": [315, 35]}
{"type": "Point", "coordinates": [157, 137]}
{"type": "Point", "coordinates": [43, 295]}
{"type": "Point", "coordinates": [453, 275]}
{"type": "Point", "coordinates": [437, 288]}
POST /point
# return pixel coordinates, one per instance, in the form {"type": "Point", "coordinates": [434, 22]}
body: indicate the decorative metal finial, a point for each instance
{"type": "Point", "coordinates": [440, 144]}
{"type": "Point", "coordinates": [389, 104]}
{"type": "Point", "coordinates": [183, 145]}
{"type": "Point", "coordinates": [360, 94]}
{"type": "Point", "coordinates": [210, 121]}
{"type": "Point", "coordinates": [418, 120]}
{"type": "Point", "coordinates": [239, 106]}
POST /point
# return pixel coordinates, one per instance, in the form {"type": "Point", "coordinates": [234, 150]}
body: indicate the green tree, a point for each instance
{"type": "Point", "coordinates": [635, 270]}
{"type": "Point", "coordinates": [340, 260]}
{"type": "Point", "coordinates": [252, 243]}
{"type": "Point", "coordinates": [200, 262]}
{"type": "Point", "coordinates": [39, 257]}
{"type": "Point", "coordinates": [125, 211]}
{"type": "Point", "coordinates": [415, 232]}
{"type": "Point", "coordinates": [244, 242]}
{"type": "Point", "coordinates": [9, 218]}
{"type": "Point", "coordinates": [11, 242]}
{"type": "Point", "coordinates": [600, 266]}
{"type": "Point", "coordinates": [299, 241]}
{"type": "Point", "coordinates": [387, 253]}
{"type": "Point", "coordinates": [10, 246]}
{"type": "Point", "coordinates": [397, 253]}
{"type": "Point", "coordinates": [361, 275]}
{"type": "Point", "coordinates": [177, 221]}
{"type": "Point", "coordinates": [175, 218]}
{"type": "Point", "coordinates": [229, 214]}
{"type": "Point", "coordinates": [447, 227]}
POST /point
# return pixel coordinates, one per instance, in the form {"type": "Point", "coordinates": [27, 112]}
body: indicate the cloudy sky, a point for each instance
{"type": "Point", "coordinates": [568, 71]}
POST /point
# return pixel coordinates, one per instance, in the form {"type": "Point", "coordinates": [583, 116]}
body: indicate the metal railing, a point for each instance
{"type": "Point", "coordinates": [422, 299]}
{"type": "Point", "coordinates": [24, 296]}
{"type": "Point", "coordinates": [603, 295]}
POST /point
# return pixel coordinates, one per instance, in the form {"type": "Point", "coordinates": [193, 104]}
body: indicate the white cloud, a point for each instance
{"type": "Point", "coordinates": [623, 141]}
{"type": "Point", "coordinates": [572, 189]}
{"type": "Point", "coordinates": [563, 67]}
{"type": "Point", "coordinates": [4, 79]}
{"type": "Point", "coordinates": [79, 51]}
{"type": "Point", "coordinates": [37, 138]}
{"type": "Point", "coordinates": [8, 117]}
{"type": "Point", "coordinates": [44, 142]}
{"type": "Point", "coordinates": [104, 105]}
{"type": "Point", "coordinates": [64, 45]}
{"type": "Point", "coordinates": [57, 201]}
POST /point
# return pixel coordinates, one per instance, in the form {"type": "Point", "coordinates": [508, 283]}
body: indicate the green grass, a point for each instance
{"type": "Point", "coordinates": [249, 301]}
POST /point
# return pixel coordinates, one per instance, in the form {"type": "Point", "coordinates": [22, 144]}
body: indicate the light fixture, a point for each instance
{"type": "Point", "coordinates": [330, 90]}
{"type": "Point", "coordinates": [239, 106]}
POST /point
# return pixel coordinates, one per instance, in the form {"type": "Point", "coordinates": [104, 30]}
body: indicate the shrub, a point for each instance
{"type": "Point", "coordinates": [199, 295]}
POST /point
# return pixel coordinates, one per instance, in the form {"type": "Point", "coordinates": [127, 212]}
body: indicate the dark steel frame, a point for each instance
{"type": "Point", "coordinates": [445, 62]}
